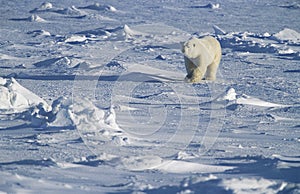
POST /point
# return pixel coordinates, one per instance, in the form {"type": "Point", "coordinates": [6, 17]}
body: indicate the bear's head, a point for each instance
{"type": "Point", "coordinates": [191, 48]}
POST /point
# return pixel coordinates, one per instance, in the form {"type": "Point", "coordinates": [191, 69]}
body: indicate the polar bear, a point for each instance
{"type": "Point", "coordinates": [202, 57]}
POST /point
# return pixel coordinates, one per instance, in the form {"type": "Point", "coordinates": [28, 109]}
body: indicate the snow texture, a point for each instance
{"type": "Point", "coordinates": [93, 98]}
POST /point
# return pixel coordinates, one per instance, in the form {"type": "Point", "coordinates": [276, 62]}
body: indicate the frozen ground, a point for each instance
{"type": "Point", "coordinates": [92, 98]}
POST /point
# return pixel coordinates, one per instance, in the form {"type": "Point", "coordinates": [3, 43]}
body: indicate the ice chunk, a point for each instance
{"type": "Point", "coordinates": [288, 35]}
{"type": "Point", "coordinates": [16, 98]}
{"type": "Point", "coordinates": [46, 6]}
{"type": "Point", "coordinates": [36, 33]}
{"type": "Point", "coordinates": [35, 18]}
{"type": "Point", "coordinates": [252, 185]}
{"type": "Point", "coordinates": [229, 95]}
{"type": "Point", "coordinates": [99, 7]}
{"type": "Point", "coordinates": [76, 39]}
{"type": "Point", "coordinates": [218, 30]}
{"type": "Point", "coordinates": [129, 33]}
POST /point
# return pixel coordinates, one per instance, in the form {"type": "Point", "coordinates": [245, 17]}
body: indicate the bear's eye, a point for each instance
{"type": "Point", "coordinates": [194, 45]}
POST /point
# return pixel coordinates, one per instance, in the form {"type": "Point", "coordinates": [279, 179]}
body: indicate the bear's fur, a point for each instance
{"type": "Point", "coordinates": [202, 58]}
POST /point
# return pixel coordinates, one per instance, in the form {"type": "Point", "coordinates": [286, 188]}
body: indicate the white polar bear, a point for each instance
{"type": "Point", "coordinates": [202, 57]}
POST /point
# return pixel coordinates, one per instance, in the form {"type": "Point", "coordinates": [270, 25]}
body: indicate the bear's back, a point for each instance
{"type": "Point", "coordinates": [211, 43]}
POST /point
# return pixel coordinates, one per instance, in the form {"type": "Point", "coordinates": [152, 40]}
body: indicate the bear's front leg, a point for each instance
{"type": "Point", "coordinates": [196, 75]}
{"type": "Point", "coordinates": [189, 65]}
{"type": "Point", "coordinates": [212, 69]}
{"type": "Point", "coordinates": [190, 77]}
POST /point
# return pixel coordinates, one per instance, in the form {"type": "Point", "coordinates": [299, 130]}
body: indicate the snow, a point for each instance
{"type": "Point", "coordinates": [36, 18]}
{"type": "Point", "coordinates": [15, 98]}
{"type": "Point", "coordinates": [99, 7]}
{"type": "Point", "coordinates": [289, 35]}
{"type": "Point", "coordinates": [209, 6]}
{"type": "Point", "coordinates": [257, 102]}
{"type": "Point", "coordinates": [253, 186]}
{"type": "Point", "coordinates": [93, 98]}
{"type": "Point", "coordinates": [188, 167]}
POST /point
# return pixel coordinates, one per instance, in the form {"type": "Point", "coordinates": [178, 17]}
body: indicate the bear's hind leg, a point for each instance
{"type": "Point", "coordinates": [212, 72]}
{"type": "Point", "coordinates": [212, 69]}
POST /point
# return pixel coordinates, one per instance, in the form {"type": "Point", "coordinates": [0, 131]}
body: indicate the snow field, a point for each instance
{"type": "Point", "coordinates": [93, 100]}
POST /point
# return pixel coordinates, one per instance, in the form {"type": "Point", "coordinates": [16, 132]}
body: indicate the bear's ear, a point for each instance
{"type": "Point", "coordinates": [193, 38]}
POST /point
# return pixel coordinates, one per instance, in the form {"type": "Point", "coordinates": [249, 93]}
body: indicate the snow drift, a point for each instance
{"type": "Point", "coordinates": [15, 98]}
{"type": "Point", "coordinates": [281, 43]}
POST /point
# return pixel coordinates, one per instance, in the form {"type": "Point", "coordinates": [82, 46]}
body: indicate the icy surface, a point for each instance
{"type": "Point", "coordinates": [92, 98]}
